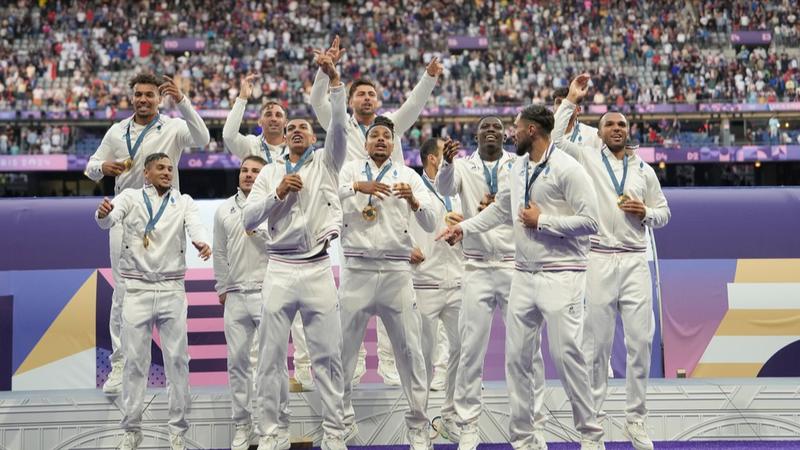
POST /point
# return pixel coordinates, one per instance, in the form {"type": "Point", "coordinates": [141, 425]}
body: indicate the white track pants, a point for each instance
{"type": "Point", "coordinates": [242, 320]}
{"type": "Point", "coordinates": [115, 316]}
{"type": "Point", "coordinates": [390, 296]}
{"type": "Point", "coordinates": [619, 283]}
{"type": "Point", "coordinates": [301, 357]}
{"type": "Point", "coordinates": [306, 287]}
{"type": "Point", "coordinates": [484, 290]}
{"type": "Point", "coordinates": [555, 298]}
{"type": "Point", "coordinates": [166, 310]}
{"type": "Point", "coordinates": [441, 307]}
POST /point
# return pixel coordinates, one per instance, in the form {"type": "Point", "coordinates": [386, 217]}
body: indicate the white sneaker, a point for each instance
{"type": "Point", "coordinates": [419, 439]}
{"type": "Point", "coordinates": [637, 433]}
{"type": "Point", "coordinates": [439, 381]}
{"type": "Point", "coordinates": [302, 375]}
{"type": "Point", "coordinates": [113, 384]}
{"type": "Point", "coordinates": [130, 440]}
{"type": "Point", "coordinates": [279, 441]}
{"type": "Point", "coordinates": [350, 433]}
{"type": "Point", "coordinates": [241, 439]}
{"type": "Point", "coordinates": [592, 445]}
{"type": "Point", "coordinates": [388, 371]}
{"type": "Point", "coordinates": [447, 428]}
{"type": "Point", "coordinates": [176, 442]}
{"type": "Point", "coordinates": [469, 437]}
{"type": "Point", "coordinates": [333, 443]}
{"type": "Point", "coordinates": [539, 442]}
{"type": "Point", "coordinates": [361, 369]}
{"type": "Point", "coordinates": [283, 438]}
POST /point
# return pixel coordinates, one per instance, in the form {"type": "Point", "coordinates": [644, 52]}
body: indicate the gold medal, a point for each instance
{"type": "Point", "coordinates": [622, 199]}
{"type": "Point", "coordinates": [146, 241]}
{"type": "Point", "coordinates": [128, 164]}
{"type": "Point", "coordinates": [369, 213]}
{"type": "Point", "coordinates": [451, 218]}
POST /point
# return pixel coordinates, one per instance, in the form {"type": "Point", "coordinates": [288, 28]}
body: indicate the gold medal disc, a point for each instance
{"type": "Point", "coordinates": [369, 213]}
{"type": "Point", "coordinates": [622, 199]}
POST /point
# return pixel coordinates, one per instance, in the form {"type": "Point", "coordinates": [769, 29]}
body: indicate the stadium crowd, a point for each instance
{"type": "Point", "coordinates": [79, 55]}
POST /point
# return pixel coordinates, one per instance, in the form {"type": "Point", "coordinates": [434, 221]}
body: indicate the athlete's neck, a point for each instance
{"type": "Point", "coordinates": [539, 148]}
{"type": "Point", "coordinates": [365, 119]}
{"type": "Point", "coordinates": [143, 120]}
{"type": "Point", "coordinates": [431, 170]}
{"type": "Point", "coordinates": [274, 139]}
{"type": "Point", "coordinates": [379, 160]}
{"type": "Point", "coordinates": [490, 153]}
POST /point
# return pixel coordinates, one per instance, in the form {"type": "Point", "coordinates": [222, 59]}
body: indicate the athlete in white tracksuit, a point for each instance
{"type": "Point", "coordinates": [551, 236]}
{"type": "Point", "coordinates": [134, 139]}
{"type": "Point", "coordinates": [364, 100]}
{"type": "Point", "coordinates": [240, 264]}
{"type": "Point", "coordinates": [154, 222]}
{"type": "Point", "coordinates": [437, 271]}
{"type": "Point", "coordinates": [379, 202]}
{"type": "Point", "coordinates": [270, 146]}
{"type": "Point", "coordinates": [619, 274]}
{"type": "Point", "coordinates": [488, 272]}
{"type": "Point", "coordinates": [298, 199]}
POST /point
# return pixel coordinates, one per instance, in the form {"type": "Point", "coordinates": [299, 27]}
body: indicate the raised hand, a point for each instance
{"type": "Point", "coordinates": [579, 88]}
{"type": "Point", "coordinates": [435, 68]}
{"type": "Point", "coordinates": [334, 52]}
{"type": "Point", "coordinates": [171, 89]}
{"type": "Point", "coordinates": [246, 86]}
{"type": "Point", "coordinates": [451, 149]}
{"type": "Point", "coordinates": [404, 191]}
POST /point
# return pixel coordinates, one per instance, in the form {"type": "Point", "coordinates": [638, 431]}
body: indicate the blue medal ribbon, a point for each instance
{"type": "Point", "coordinates": [133, 150]}
{"type": "Point", "coordinates": [151, 223]}
{"type": "Point", "coordinates": [290, 169]}
{"type": "Point", "coordinates": [383, 171]}
{"type": "Point", "coordinates": [491, 177]}
{"type": "Point", "coordinates": [529, 180]}
{"type": "Point", "coordinates": [265, 149]}
{"type": "Point", "coordinates": [619, 186]}
{"type": "Point", "coordinates": [448, 205]}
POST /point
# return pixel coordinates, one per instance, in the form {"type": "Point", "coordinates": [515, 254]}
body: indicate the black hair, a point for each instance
{"type": "Point", "coordinates": [153, 158]}
{"type": "Point", "coordinates": [540, 115]}
{"type": "Point", "coordinates": [429, 147]}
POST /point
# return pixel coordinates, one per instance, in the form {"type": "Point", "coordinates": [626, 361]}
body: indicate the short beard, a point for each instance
{"type": "Point", "coordinates": [523, 148]}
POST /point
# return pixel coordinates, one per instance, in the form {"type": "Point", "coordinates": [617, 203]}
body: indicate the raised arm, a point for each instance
{"type": "Point", "coordinates": [448, 180]}
{"type": "Point", "coordinates": [234, 141]}
{"type": "Point", "coordinates": [408, 113]}
{"type": "Point", "coordinates": [195, 133]}
{"type": "Point", "coordinates": [336, 137]}
{"type": "Point", "coordinates": [577, 91]}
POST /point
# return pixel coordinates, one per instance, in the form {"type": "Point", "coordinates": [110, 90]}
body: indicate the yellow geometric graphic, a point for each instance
{"type": "Point", "coordinates": [767, 271]}
{"type": "Point", "coordinates": [763, 316]}
{"type": "Point", "coordinates": [73, 331]}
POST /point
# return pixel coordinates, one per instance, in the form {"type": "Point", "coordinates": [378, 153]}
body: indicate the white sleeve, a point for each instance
{"type": "Point", "coordinates": [220, 252]}
{"type": "Point", "coordinates": [346, 179]}
{"type": "Point", "coordinates": [408, 113]}
{"type": "Point", "coordinates": [194, 226]}
{"type": "Point", "coordinates": [426, 213]}
{"type": "Point", "coordinates": [558, 135]}
{"type": "Point", "coordinates": [657, 212]}
{"type": "Point", "coordinates": [195, 133]}
{"type": "Point", "coordinates": [235, 142]}
{"type": "Point", "coordinates": [448, 180]}
{"type": "Point", "coordinates": [580, 195]}
{"type": "Point", "coordinates": [336, 138]}
{"type": "Point", "coordinates": [122, 205]}
{"type": "Point", "coordinates": [319, 99]}
{"type": "Point", "coordinates": [496, 214]}
{"type": "Point", "coordinates": [260, 203]}
{"type": "Point", "coordinates": [94, 168]}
